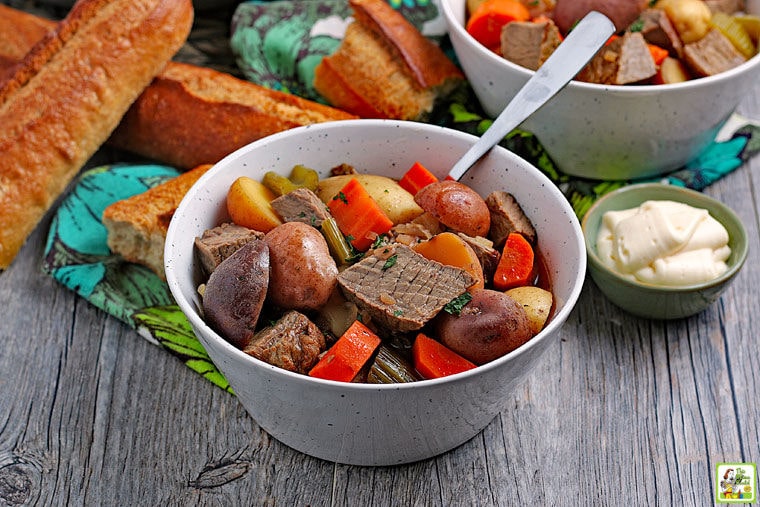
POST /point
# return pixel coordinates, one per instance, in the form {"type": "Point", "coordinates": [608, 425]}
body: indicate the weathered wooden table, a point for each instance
{"type": "Point", "coordinates": [621, 411]}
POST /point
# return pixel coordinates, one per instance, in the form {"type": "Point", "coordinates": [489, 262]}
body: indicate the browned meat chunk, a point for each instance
{"type": "Point", "coordinates": [218, 243]}
{"type": "Point", "coordinates": [712, 54]}
{"type": "Point", "coordinates": [400, 289]}
{"type": "Point", "coordinates": [658, 30]}
{"type": "Point", "coordinates": [506, 217]}
{"type": "Point", "coordinates": [292, 343]}
{"type": "Point", "coordinates": [342, 169]}
{"type": "Point", "coordinates": [529, 44]}
{"type": "Point", "coordinates": [488, 256]}
{"type": "Point", "coordinates": [301, 205]}
{"type": "Point", "coordinates": [625, 60]}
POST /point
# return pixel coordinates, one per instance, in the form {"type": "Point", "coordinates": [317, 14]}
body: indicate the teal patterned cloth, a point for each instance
{"type": "Point", "coordinates": [277, 44]}
{"type": "Point", "coordinates": [77, 256]}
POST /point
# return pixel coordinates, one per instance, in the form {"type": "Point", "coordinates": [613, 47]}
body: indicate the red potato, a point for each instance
{"type": "Point", "coordinates": [622, 12]}
{"type": "Point", "coordinates": [456, 206]}
{"type": "Point", "coordinates": [235, 292]}
{"type": "Point", "coordinates": [302, 272]}
{"type": "Point", "coordinates": [490, 325]}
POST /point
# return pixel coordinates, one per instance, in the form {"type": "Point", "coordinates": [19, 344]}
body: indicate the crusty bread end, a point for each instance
{"type": "Point", "coordinates": [384, 67]}
{"type": "Point", "coordinates": [137, 225]}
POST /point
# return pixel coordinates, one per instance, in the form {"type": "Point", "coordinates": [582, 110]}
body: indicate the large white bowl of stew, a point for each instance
{"type": "Point", "coordinates": [377, 423]}
{"type": "Point", "coordinates": [609, 131]}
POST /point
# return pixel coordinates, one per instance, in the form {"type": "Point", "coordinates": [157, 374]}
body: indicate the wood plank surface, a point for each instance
{"type": "Point", "coordinates": [620, 411]}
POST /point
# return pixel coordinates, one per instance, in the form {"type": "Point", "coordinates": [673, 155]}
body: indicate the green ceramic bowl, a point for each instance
{"type": "Point", "coordinates": [654, 301]}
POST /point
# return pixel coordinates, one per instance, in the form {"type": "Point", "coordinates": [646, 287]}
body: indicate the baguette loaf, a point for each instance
{"type": "Point", "coordinates": [19, 31]}
{"type": "Point", "coordinates": [189, 115]}
{"type": "Point", "coordinates": [384, 67]}
{"type": "Point", "coordinates": [137, 226]}
{"type": "Point", "coordinates": [193, 115]}
{"type": "Point", "coordinates": [69, 94]}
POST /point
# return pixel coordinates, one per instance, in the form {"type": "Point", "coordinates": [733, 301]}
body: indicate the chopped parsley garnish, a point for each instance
{"type": "Point", "coordinates": [454, 307]}
{"type": "Point", "coordinates": [390, 262]}
{"type": "Point", "coordinates": [637, 25]}
{"type": "Point", "coordinates": [341, 197]}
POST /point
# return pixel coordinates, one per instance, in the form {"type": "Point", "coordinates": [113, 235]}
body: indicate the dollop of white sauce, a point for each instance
{"type": "Point", "coordinates": [664, 243]}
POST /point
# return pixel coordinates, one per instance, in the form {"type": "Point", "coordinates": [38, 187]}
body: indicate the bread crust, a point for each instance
{"type": "Point", "coordinates": [423, 59]}
{"type": "Point", "coordinates": [69, 94]}
{"type": "Point", "coordinates": [384, 67]}
{"type": "Point", "coordinates": [188, 115]}
{"type": "Point", "coordinates": [194, 115]}
{"type": "Point", "coordinates": [137, 225]}
{"type": "Point", "coordinates": [20, 31]}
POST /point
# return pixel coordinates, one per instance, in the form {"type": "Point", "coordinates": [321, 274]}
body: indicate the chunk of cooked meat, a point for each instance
{"type": "Point", "coordinates": [400, 289]}
{"type": "Point", "coordinates": [529, 43]}
{"type": "Point", "coordinates": [487, 255]}
{"type": "Point", "coordinates": [507, 216]}
{"type": "Point", "coordinates": [625, 60]}
{"type": "Point", "coordinates": [301, 205]}
{"type": "Point", "coordinates": [293, 343]}
{"type": "Point", "coordinates": [712, 54]}
{"type": "Point", "coordinates": [218, 243]}
{"type": "Point", "coordinates": [658, 30]}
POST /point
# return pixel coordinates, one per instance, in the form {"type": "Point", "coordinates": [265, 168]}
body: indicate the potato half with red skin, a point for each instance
{"type": "Point", "coordinates": [489, 326]}
{"type": "Point", "coordinates": [621, 12]}
{"type": "Point", "coordinates": [302, 273]}
{"type": "Point", "coordinates": [235, 292]}
{"type": "Point", "coordinates": [456, 206]}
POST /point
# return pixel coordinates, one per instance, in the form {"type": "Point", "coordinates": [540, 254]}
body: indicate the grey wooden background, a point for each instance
{"type": "Point", "coordinates": [622, 411]}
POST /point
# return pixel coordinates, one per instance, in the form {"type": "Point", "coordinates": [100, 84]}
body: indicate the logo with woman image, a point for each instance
{"type": "Point", "coordinates": [736, 483]}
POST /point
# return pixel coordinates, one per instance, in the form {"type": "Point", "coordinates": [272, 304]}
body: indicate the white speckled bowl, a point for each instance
{"type": "Point", "coordinates": [609, 132]}
{"type": "Point", "coordinates": [367, 424]}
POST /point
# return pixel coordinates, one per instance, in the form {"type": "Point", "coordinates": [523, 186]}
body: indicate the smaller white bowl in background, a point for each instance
{"type": "Point", "coordinates": [369, 424]}
{"type": "Point", "coordinates": [609, 132]}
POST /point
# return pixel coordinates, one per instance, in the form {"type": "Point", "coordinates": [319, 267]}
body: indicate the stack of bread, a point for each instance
{"type": "Point", "coordinates": [104, 75]}
{"type": "Point", "coordinates": [384, 67]}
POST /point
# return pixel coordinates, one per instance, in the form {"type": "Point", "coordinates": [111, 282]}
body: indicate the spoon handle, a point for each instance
{"type": "Point", "coordinates": [565, 62]}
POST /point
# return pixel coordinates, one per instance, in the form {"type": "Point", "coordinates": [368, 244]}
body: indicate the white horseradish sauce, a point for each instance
{"type": "Point", "coordinates": [664, 243]}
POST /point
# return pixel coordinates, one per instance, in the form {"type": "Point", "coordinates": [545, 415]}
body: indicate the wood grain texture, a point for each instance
{"type": "Point", "coordinates": [620, 411]}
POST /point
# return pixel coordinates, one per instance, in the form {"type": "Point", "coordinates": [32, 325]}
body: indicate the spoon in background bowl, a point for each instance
{"type": "Point", "coordinates": [580, 45]}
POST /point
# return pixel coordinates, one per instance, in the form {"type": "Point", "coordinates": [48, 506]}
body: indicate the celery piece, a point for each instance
{"type": "Point", "coordinates": [340, 249]}
{"type": "Point", "coordinates": [302, 176]}
{"type": "Point", "coordinates": [278, 184]}
{"type": "Point", "coordinates": [390, 367]}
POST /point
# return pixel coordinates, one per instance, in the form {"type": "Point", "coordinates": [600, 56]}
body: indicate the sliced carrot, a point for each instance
{"type": "Point", "coordinates": [358, 215]}
{"type": "Point", "coordinates": [515, 266]}
{"type": "Point", "coordinates": [432, 359]}
{"type": "Point", "coordinates": [451, 250]}
{"type": "Point", "coordinates": [348, 355]}
{"type": "Point", "coordinates": [658, 53]}
{"type": "Point", "coordinates": [416, 178]}
{"type": "Point", "coordinates": [486, 21]}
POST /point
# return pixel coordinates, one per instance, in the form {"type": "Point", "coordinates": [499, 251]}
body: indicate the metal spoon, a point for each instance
{"type": "Point", "coordinates": [565, 62]}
